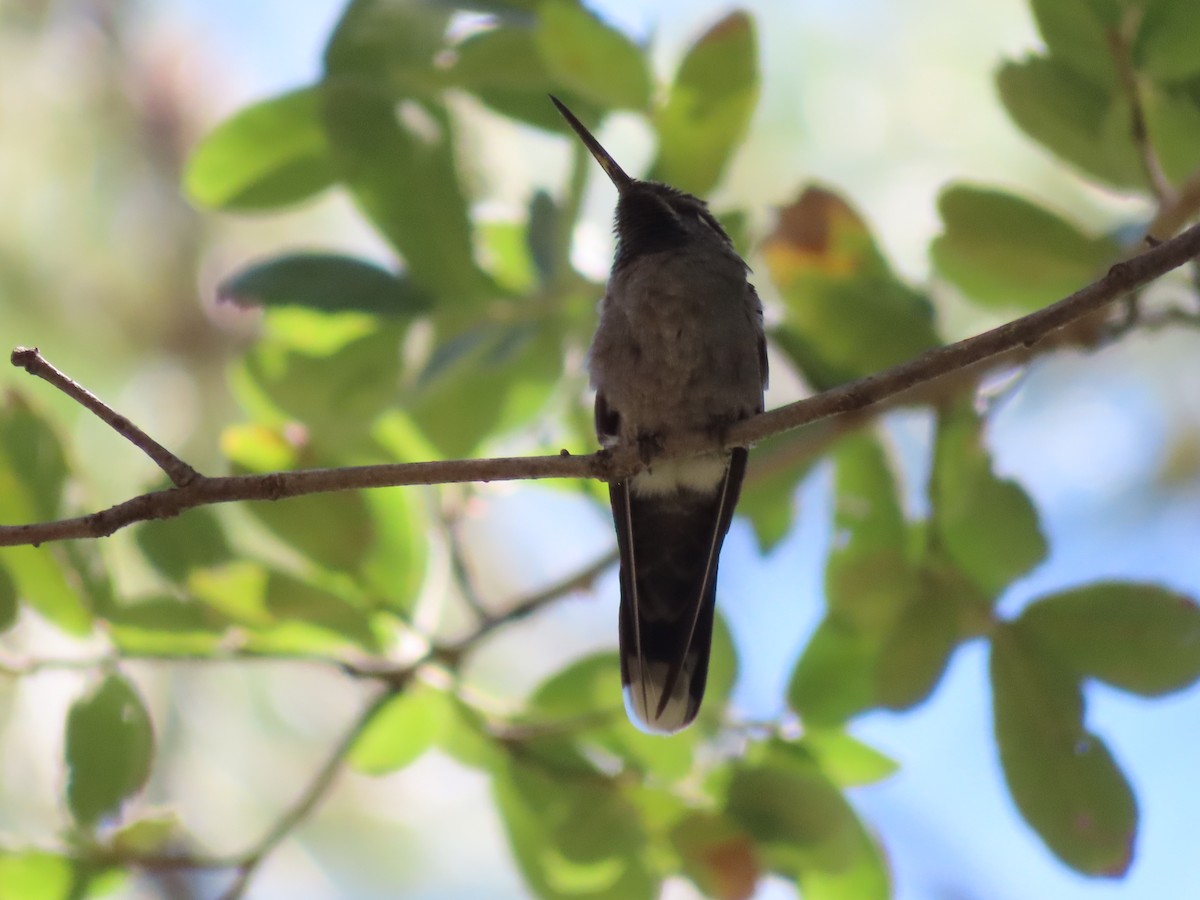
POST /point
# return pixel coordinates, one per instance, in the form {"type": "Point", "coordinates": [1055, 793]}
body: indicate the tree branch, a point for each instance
{"type": "Point", "coordinates": [180, 473]}
{"type": "Point", "coordinates": [1016, 337]}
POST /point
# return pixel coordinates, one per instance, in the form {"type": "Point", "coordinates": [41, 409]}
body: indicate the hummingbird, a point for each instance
{"type": "Point", "coordinates": [679, 348]}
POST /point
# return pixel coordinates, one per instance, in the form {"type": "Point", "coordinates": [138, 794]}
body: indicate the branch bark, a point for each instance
{"type": "Point", "coordinates": [1020, 336]}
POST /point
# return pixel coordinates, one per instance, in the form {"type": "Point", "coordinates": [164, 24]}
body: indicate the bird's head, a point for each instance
{"type": "Point", "coordinates": [651, 217]}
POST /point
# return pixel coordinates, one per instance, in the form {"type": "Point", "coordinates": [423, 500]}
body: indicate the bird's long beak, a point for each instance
{"type": "Point", "coordinates": [607, 163]}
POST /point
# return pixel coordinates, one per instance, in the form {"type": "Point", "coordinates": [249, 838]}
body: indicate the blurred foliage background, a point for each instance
{"type": "Point", "coordinates": [414, 692]}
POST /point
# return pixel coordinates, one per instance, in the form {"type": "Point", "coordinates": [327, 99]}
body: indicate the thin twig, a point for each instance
{"type": "Point", "coordinates": [170, 861]}
{"type": "Point", "coordinates": [1152, 168]}
{"type": "Point", "coordinates": [459, 565]}
{"type": "Point", "coordinates": [1181, 209]}
{"type": "Point", "coordinates": [578, 581]}
{"type": "Point", "coordinates": [999, 344]}
{"type": "Point", "coordinates": [180, 473]}
{"type": "Point", "coordinates": [317, 788]}
{"type": "Point", "coordinates": [24, 667]}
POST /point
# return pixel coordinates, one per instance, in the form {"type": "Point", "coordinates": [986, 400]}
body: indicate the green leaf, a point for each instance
{"type": "Point", "coordinates": [399, 167]}
{"type": "Point", "coordinates": [329, 530]}
{"type": "Point", "coordinates": [467, 740]}
{"type": "Point", "coordinates": [37, 466]}
{"type": "Point", "coordinates": [322, 334]}
{"type": "Point", "coordinates": [847, 761]}
{"type": "Point", "coordinates": [109, 746]}
{"type": "Point", "coordinates": [892, 623]}
{"type": "Point", "coordinates": [35, 875]}
{"type": "Point", "coordinates": [1167, 38]}
{"type": "Point", "coordinates": [269, 155]}
{"type": "Point", "coordinates": [585, 698]}
{"type": "Point", "coordinates": [506, 254]}
{"type": "Point", "coordinates": [41, 578]}
{"type": "Point", "coordinates": [709, 106]}
{"type": "Point", "coordinates": [987, 525]}
{"type": "Point", "coordinates": [147, 836]}
{"type": "Point", "coordinates": [542, 237]}
{"type": "Point", "coordinates": [802, 823]}
{"type": "Point", "coordinates": [503, 67]}
{"type": "Point", "coordinates": [290, 599]}
{"type": "Point", "coordinates": [1063, 779]}
{"type": "Point", "coordinates": [103, 884]}
{"type": "Point", "coordinates": [256, 448]}
{"type": "Point", "coordinates": [390, 45]}
{"type": "Point", "coordinates": [190, 541]}
{"type": "Point", "coordinates": [869, 578]}
{"type": "Point", "coordinates": [324, 281]}
{"type": "Point", "coordinates": [591, 57]}
{"type": "Point", "coordinates": [586, 687]}
{"type": "Point", "coordinates": [736, 223]}
{"type": "Point", "coordinates": [834, 678]}
{"type": "Point", "coordinates": [865, 878]}
{"type": "Point", "coordinates": [572, 836]}
{"type": "Point", "coordinates": [504, 58]}
{"type": "Point", "coordinates": [393, 567]}
{"type": "Point", "coordinates": [236, 590]}
{"type": "Point", "coordinates": [33, 472]}
{"type": "Point", "coordinates": [337, 395]}
{"type": "Point", "coordinates": [1076, 32]}
{"type": "Point", "coordinates": [1071, 115]}
{"type": "Point", "coordinates": [1138, 637]}
{"type": "Point", "coordinates": [485, 380]}
{"type": "Point", "coordinates": [8, 600]}
{"type": "Point", "coordinates": [973, 606]}
{"type": "Point", "coordinates": [916, 653]}
{"type": "Point", "coordinates": [777, 466]}
{"type": "Point", "coordinates": [405, 727]}
{"type": "Point", "coordinates": [846, 314]}
{"type": "Point", "coordinates": [165, 625]}
{"type": "Point", "coordinates": [1006, 252]}
{"type": "Point", "coordinates": [1173, 124]}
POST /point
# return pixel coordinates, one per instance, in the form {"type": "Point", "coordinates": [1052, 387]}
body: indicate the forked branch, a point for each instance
{"type": "Point", "coordinates": [192, 489]}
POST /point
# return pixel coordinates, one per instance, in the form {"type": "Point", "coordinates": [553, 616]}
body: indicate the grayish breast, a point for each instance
{"type": "Point", "coordinates": [676, 348]}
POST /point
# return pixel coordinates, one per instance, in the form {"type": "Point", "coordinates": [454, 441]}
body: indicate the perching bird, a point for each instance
{"type": "Point", "coordinates": [679, 349]}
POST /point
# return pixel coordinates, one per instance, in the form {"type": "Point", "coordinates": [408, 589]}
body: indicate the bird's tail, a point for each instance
{"type": "Point", "coordinates": [670, 543]}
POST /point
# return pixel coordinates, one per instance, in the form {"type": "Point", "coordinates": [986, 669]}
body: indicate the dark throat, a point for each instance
{"type": "Point", "coordinates": [646, 225]}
